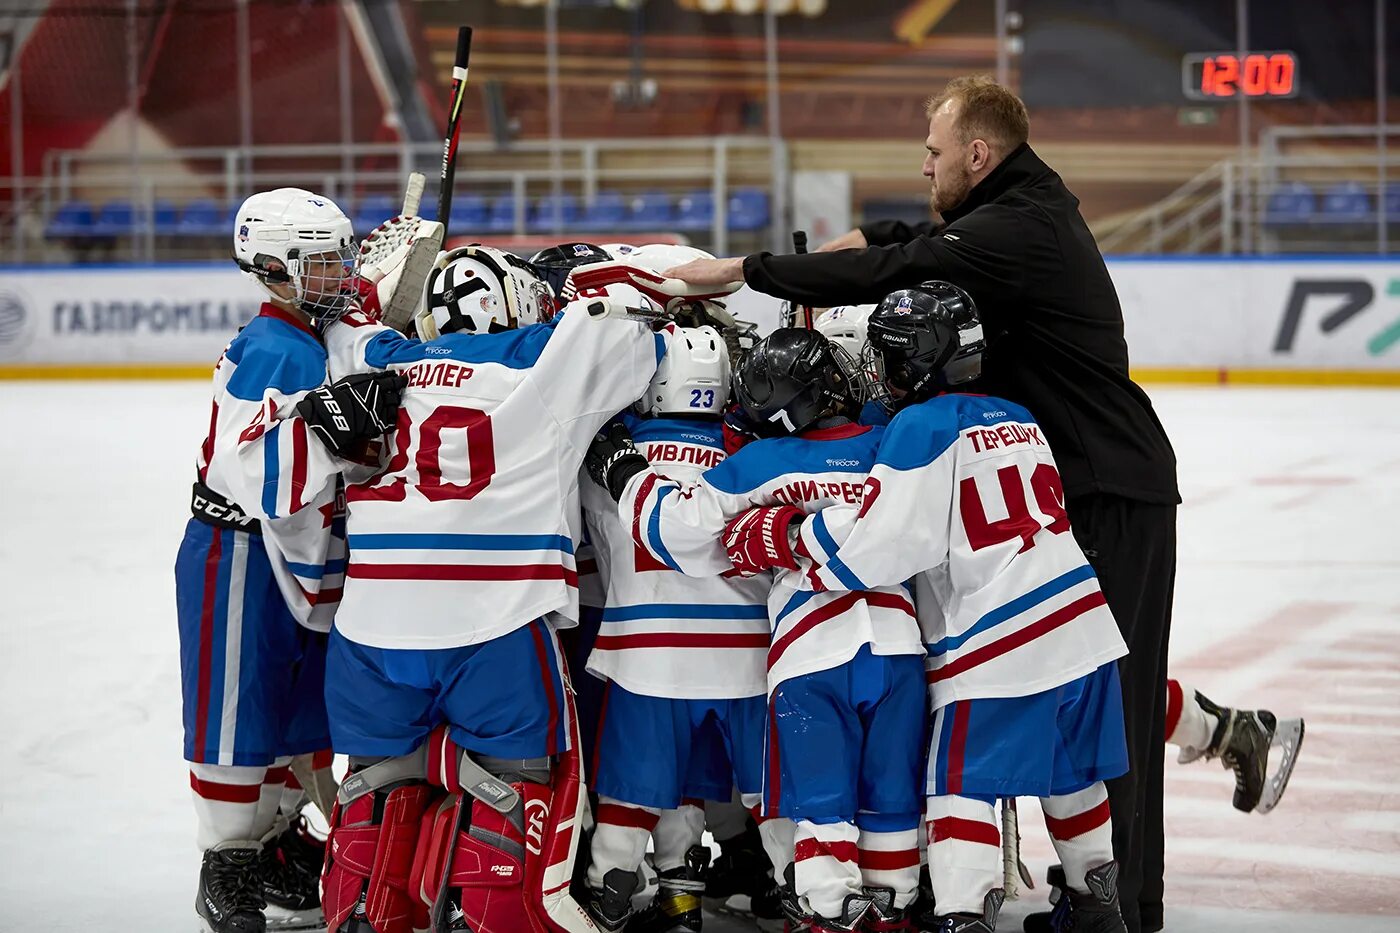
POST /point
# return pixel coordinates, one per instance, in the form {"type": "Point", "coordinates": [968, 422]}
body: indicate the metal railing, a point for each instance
{"type": "Point", "coordinates": [523, 172]}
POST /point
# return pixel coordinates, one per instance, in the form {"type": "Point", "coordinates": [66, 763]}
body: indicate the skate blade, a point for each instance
{"type": "Point", "coordinates": [403, 304]}
{"type": "Point", "coordinates": [284, 921]}
{"type": "Point", "coordinates": [1288, 738]}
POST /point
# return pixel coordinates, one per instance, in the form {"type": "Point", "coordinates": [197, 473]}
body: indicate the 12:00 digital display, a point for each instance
{"type": "Point", "coordinates": [1227, 75]}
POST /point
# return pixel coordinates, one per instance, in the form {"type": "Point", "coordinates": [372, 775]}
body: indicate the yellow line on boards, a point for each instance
{"type": "Point", "coordinates": [105, 371]}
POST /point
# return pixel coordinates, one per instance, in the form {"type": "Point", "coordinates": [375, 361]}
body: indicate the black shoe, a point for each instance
{"type": "Point", "coordinates": [676, 906]}
{"type": "Point", "coordinates": [854, 912]}
{"type": "Point", "coordinates": [1241, 741]}
{"type": "Point", "coordinates": [230, 895]}
{"type": "Point", "coordinates": [1095, 912]}
{"type": "Point", "coordinates": [610, 906]}
{"type": "Point", "coordinates": [986, 922]}
{"type": "Point", "coordinates": [290, 866]}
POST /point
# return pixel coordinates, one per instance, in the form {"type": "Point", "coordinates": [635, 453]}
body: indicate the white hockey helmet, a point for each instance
{"type": "Point", "coordinates": [293, 237]}
{"type": "Point", "coordinates": [658, 257]}
{"type": "Point", "coordinates": [481, 290]}
{"type": "Point", "coordinates": [693, 378]}
{"type": "Point", "coordinates": [846, 326]}
{"type": "Point", "coordinates": [618, 250]}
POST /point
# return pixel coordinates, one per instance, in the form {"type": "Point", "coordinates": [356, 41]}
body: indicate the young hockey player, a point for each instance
{"type": "Point", "coordinates": [965, 501]}
{"type": "Point", "coordinates": [684, 659]}
{"type": "Point", "coordinates": [260, 569]}
{"type": "Point", "coordinates": [845, 672]}
{"type": "Point", "coordinates": [444, 668]}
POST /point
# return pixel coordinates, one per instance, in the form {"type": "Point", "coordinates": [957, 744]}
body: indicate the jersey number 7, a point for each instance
{"type": "Point", "coordinates": [431, 483]}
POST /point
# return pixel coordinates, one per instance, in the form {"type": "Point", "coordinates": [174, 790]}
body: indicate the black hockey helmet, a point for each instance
{"type": "Point", "coordinates": [924, 340]}
{"type": "Point", "coordinates": [555, 262]}
{"type": "Point", "coordinates": [790, 379]}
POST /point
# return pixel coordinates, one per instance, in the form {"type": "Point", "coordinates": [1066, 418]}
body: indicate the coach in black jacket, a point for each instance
{"type": "Point", "coordinates": [1014, 239]}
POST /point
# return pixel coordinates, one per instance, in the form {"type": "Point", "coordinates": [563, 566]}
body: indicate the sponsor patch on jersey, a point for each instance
{"type": "Point", "coordinates": [845, 463]}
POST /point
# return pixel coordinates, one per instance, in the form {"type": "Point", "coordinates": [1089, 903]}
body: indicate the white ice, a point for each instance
{"type": "Point", "coordinates": [1288, 597]}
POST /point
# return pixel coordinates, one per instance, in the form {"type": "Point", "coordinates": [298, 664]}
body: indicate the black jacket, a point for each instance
{"type": "Point", "coordinates": [1020, 248]}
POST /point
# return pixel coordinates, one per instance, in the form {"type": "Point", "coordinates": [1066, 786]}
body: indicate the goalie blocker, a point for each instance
{"type": "Point", "coordinates": [443, 840]}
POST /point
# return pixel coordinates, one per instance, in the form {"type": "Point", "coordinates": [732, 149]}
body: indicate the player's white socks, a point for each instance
{"type": "Point", "coordinates": [676, 831]}
{"type": "Point", "coordinates": [226, 802]}
{"type": "Point", "coordinates": [776, 833]}
{"type": "Point", "coordinates": [620, 837]}
{"type": "Point", "coordinates": [1189, 727]}
{"type": "Point", "coordinates": [889, 858]}
{"type": "Point", "coordinates": [274, 785]}
{"type": "Point", "coordinates": [826, 860]}
{"type": "Point", "coordinates": [964, 852]}
{"type": "Point", "coordinates": [1081, 831]}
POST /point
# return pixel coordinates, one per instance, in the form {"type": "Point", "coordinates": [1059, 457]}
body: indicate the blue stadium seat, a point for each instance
{"type": "Point", "coordinates": [695, 211]}
{"type": "Point", "coordinates": [543, 211]}
{"type": "Point", "coordinates": [649, 211]}
{"type": "Point", "coordinates": [165, 218]}
{"type": "Point", "coordinates": [116, 218]}
{"type": "Point", "coordinates": [1392, 203]}
{"type": "Point", "coordinates": [607, 212]}
{"type": "Point", "coordinates": [71, 220]}
{"type": "Point", "coordinates": [204, 217]}
{"type": "Point", "coordinates": [373, 211]}
{"type": "Point", "coordinates": [748, 209]}
{"type": "Point", "coordinates": [1346, 203]}
{"type": "Point", "coordinates": [1290, 204]}
{"type": "Point", "coordinates": [469, 214]}
{"type": "Point", "coordinates": [502, 216]}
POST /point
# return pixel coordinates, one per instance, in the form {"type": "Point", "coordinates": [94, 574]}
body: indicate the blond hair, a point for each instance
{"type": "Point", "coordinates": [986, 111]}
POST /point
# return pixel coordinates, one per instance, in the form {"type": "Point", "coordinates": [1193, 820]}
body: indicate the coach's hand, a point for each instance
{"type": "Point", "coordinates": [708, 273]}
{"type": "Point", "coordinates": [758, 539]}
{"type": "Point", "coordinates": [350, 409]}
{"type": "Point", "coordinates": [612, 459]}
{"type": "Point", "coordinates": [851, 239]}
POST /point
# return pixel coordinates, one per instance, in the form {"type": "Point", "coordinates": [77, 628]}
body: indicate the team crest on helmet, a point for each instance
{"type": "Point", "coordinates": [905, 306]}
{"type": "Point", "coordinates": [243, 233]}
{"type": "Point", "coordinates": [582, 249]}
{"type": "Point", "coordinates": [316, 202]}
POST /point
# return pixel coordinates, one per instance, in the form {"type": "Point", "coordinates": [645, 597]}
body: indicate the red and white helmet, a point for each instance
{"type": "Point", "coordinates": [693, 378]}
{"type": "Point", "coordinates": [290, 236]}
{"type": "Point", "coordinates": [480, 290]}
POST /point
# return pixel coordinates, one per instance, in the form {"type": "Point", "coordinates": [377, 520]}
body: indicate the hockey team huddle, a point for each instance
{"type": "Point", "coordinates": [570, 564]}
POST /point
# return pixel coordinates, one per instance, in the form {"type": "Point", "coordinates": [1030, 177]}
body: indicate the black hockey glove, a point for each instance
{"type": "Point", "coordinates": [351, 409]}
{"type": "Point", "coordinates": [613, 459]}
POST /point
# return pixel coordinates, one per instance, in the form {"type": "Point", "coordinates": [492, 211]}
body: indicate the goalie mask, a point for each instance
{"type": "Point", "coordinates": [294, 238]}
{"type": "Point", "coordinates": [792, 379]}
{"type": "Point", "coordinates": [924, 340]}
{"type": "Point", "coordinates": [555, 263]}
{"type": "Point", "coordinates": [480, 290]}
{"type": "Point", "coordinates": [693, 378]}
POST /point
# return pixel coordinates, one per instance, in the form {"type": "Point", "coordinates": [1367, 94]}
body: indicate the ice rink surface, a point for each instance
{"type": "Point", "coordinates": [1288, 597]}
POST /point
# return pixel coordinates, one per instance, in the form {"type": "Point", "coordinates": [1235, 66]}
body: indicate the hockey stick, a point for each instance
{"type": "Point", "coordinates": [454, 124]}
{"type": "Point", "coordinates": [795, 315]}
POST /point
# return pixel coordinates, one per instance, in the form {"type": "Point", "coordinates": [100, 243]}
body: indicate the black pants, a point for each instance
{"type": "Point", "coordinates": [1132, 547]}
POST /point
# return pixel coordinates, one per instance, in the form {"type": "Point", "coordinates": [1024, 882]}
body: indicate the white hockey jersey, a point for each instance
{"type": "Point", "coordinates": [965, 499]}
{"type": "Point", "coordinates": [663, 633]}
{"type": "Point", "coordinates": [261, 456]}
{"type": "Point", "coordinates": [681, 525]}
{"type": "Point", "coordinates": [468, 533]}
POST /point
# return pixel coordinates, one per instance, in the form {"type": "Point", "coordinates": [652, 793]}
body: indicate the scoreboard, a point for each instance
{"type": "Point", "coordinates": [1228, 75]}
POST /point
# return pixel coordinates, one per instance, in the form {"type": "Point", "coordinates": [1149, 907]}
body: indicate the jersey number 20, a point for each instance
{"type": "Point", "coordinates": [480, 465]}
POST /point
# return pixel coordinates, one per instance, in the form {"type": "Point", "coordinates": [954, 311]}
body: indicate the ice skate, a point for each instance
{"type": "Point", "coordinates": [854, 913]}
{"type": "Point", "coordinates": [740, 882]}
{"type": "Point", "coordinates": [986, 922]}
{"type": "Point", "coordinates": [1242, 741]}
{"type": "Point", "coordinates": [230, 898]}
{"type": "Point", "coordinates": [677, 904]}
{"type": "Point", "coordinates": [1095, 912]}
{"type": "Point", "coordinates": [610, 907]}
{"type": "Point", "coordinates": [290, 866]}
{"type": "Point", "coordinates": [883, 917]}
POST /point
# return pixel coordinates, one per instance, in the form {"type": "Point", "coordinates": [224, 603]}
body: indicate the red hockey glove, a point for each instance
{"type": "Point", "coordinates": [758, 539]}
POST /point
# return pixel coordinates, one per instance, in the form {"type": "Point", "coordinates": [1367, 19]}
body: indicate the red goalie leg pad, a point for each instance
{"type": "Point", "coordinates": [370, 853]}
{"type": "Point", "coordinates": [488, 869]}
